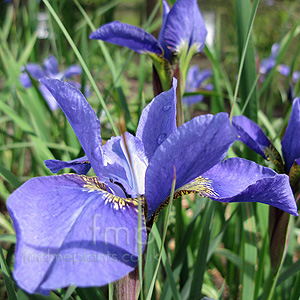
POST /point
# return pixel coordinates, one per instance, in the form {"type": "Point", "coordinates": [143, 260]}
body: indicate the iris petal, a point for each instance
{"type": "Point", "coordinates": [52, 103]}
{"type": "Point", "coordinates": [35, 71]}
{"type": "Point", "coordinates": [158, 120]}
{"type": "Point", "coordinates": [128, 36]}
{"type": "Point", "coordinates": [166, 10]}
{"type": "Point", "coordinates": [117, 165]}
{"type": "Point", "coordinates": [193, 148]}
{"type": "Point", "coordinates": [72, 71]}
{"type": "Point", "coordinates": [185, 26]}
{"type": "Point", "coordinates": [51, 65]}
{"type": "Point", "coordinates": [251, 135]}
{"type": "Point", "coordinates": [80, 165]}
{"type": "Point", "coordinates": [81, 117]}
{"type": "Point", "coordinates": [240, 180]}
{"type": "Point", "coordinates": [71, 231]}
{"type": "Point", "coordinates": [137, 161]}
{"type": "Point", "coordinates": [291, 140]}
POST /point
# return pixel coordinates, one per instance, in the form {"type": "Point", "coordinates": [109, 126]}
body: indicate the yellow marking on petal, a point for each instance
{"type": "Point", "coordinates": [294, 175]}
{"type": "Point", "coordinates": [93, 185]}
{"type": "Point", "coordinates": [273, 155]}
{"type": "Point", "coordinates": [200, 185]}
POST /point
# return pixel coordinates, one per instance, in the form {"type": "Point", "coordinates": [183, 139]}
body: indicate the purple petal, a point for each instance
{"type": "Point", "coordinates": [291, 140]}
{"type": "Point", "coordinates": [87, 91]}
{"type": "Point", "coordinates": [191, 78]}
{"type": "Point", "coordinates": [193, 148]}
{"type": "Point", "coordinates": [167, 52]}
{"type": "Point", "coordinates": [116, 167]}
{"type": "Point", "coordinates": [296, 76]}
{"type": "Point", "coordinates": [240, 180]}
{"type": "Point", "coordinates": [203, 75]}
{"type": "Point", "coordinates": [81, 117]}
{"type": "Point", "coordinates": [120, 168]}
{"type": "Point", "coordinates": [185, 25]}
{"type": "Point", "coordinates": [138, 160]}
{"type": "Point", "coordinates": [195, 78]}
{"type": "Point", "coordinates": [251, 135]}
{"type": "Point", "coordinates": [71, 231]}
{"type": "Point", "coordinates": [190, 100]}
{"type": "Point", "coordinates": [266, 65]}
{"type": "Point", "coordinates": [209, 87]}
{"type": "Point", "coordinates": [129, 36]}
{"type": "Point", "coordinates": [35, 71]}
{"type": "Point", "coordinates": [72, 71]}
{"type": "Point", "coordinates": [80, 165]}
{"type": "Point", "coordinates": [158, 120]}
{"type": "Point", "coordinates": [52, 103]}
{"type": "Point", "coordinates": [25, 80]}
{"type": "Point", "coordinates": [284, 70]}
{"type": "Point", "coordinates": [274, 50]}
{"type": "Point", "coordinates": [51, 65]}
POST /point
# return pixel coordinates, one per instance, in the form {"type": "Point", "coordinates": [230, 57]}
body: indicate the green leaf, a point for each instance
{"type": "Point", "coordinates": [7, 277]}
{"type": "Point", "coordinates": [200, 263]}
{"type": "Point", "coordinates": [249, 251]}
{"type": "Point", "coordinates": [9, 176]}
{"type": "Point", "coordinates": [247, 69]}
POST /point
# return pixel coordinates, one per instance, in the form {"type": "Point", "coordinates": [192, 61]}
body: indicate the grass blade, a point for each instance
{"type": "Point", "coordinates": [83, 64]}
{"type": "Point", "coordinates": [7, 278]}
{"type": "Point", "coordinates": [167, 217]}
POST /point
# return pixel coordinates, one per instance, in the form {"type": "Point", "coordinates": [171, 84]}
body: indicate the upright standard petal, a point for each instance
{"type": "Point", "coordinates": [35, 71]}
{"type": "Point", "coordinates": [25, 80]}
{"type": "Point", "coordinates": [158, 120]}
{"type": "Point", "coordinates": [193, 148]}
{"type": "Point", "coordinates": [291, 140]}
{"type": "Point", "coordinates": [81, 117]}
{"type": "Point", "coordinates": [129, 36]}
{"type": "Point", "coordinates": [72, 71]}
{"type": "Point", "coordinates": [185, 26]}
{"type": "Point", "coordinates": [70, 230]}
{"type": "Point", "coordinates": [80, 165]}
{"type": "Point", "coordinates": [240, 180]}
{"type": "Point", "coordinates": [118, 168]}
{"type": "Point", "coordinates": [161, 39]}
{"type": "Point", "coordinates": [51, 65]}
{"type": "Point", "coordinates": [251, 135]}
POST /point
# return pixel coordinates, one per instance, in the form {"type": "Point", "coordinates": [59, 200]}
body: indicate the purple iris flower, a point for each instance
{"type": "Point", "coordinates": [267, 64]}
{"type": "Point", "coordinates": [80, 230]}
{"type": "Point", "coordinates": [182, 26]}
{"type": "Point", "coordinates": [194, 81]}
{"type": "Point", "coordinates": [49, 70]}
{"type": "Point", "coordinates": [253, 136]}
{"type": "Point", "coordinates": [295, 76]}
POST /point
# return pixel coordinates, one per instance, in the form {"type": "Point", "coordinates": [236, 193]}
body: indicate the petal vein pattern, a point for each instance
{"type": "Point", "coordinates": [193, 148]}
{"type": "Point", "coordinates": [81, 117]}
{"type": "Point", "coordinates": [75, 232]}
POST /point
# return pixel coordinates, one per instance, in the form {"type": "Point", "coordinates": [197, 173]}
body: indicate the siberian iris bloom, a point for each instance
{"type": "Point", "coordinates": [254, 137]}
{"type": "Point", "coordinates": [183, 31]}
{"type": "Point", "coordinates": [194, 81]}
{"type": "Point", "coordinates": [49, 70]}
{"type": "Point", "coordinates": [82, 230]}
{"type": "Point", "coordinates": [267, 64]}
